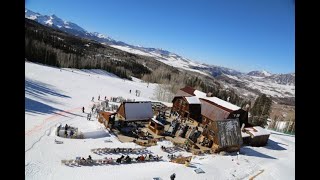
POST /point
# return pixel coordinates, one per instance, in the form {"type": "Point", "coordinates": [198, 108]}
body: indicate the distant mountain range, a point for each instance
{"type": "Point", "coordinates": [278, 85]}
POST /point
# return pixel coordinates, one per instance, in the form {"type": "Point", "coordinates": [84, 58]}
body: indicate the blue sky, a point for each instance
{"type": "Point", "coordinates": [241, 34]}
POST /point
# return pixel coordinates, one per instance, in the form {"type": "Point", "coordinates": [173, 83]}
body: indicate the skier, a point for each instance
{"type": "Point", "coordinates": [92, 99]}
{"type": "Point", "coordinates": [99, 98]}
{"type": "Point", "coordinates": [82, 109]}
{"type": "Point", "coordinates": [71, 133]}
{"type": "Point", "coordinates": [173, 176]}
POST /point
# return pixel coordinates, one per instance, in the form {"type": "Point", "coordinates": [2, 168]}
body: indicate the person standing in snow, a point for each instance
{"type": "Point", "coordinates": [92, 99]}
{"type": "Point", "coordinates": [99, 98]}
{"type": "Point", "coordinates": [173, 176]}
{"type": "Point", "coordinates": [130, 91]}
{"type": "Point", "coordinates": [82, 109]}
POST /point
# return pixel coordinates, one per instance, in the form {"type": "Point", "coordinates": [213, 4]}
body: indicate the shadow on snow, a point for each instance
{"type": "Point", "coordinates": [251, 152]}
{"type": "Point", "coordinates": [275, 145]}
{"type": "Point", "coordinates": [41, 90]}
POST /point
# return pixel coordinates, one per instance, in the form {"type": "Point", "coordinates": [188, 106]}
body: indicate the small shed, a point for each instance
{"type": "Point", "coordinates": [156, 126]}
{"type": "Point", "coordinates": [135, 111]}
{"type": "Point", "coordinates": [259, 136]}
{"type": "Point", "coordinates": [225, 135]}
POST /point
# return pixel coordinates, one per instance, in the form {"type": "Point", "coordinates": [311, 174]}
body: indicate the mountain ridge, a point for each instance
{"type": "Point", "coordinates": [232, 78]}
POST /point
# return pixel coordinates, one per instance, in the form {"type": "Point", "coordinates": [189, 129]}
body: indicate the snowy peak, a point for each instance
{"type": "Point", "coordinates": [285, 79]}
{"type": "Point", "coordinates": [262, 73]}
{"type": "Point", "coordinates": [53, 21]}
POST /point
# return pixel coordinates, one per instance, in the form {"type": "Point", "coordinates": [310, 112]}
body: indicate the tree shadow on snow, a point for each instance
{"type": "Point", "coordinates": [247, 151]}
{"type": "Point", "coordinates": [275, 145]}
{"type": "Point", "coordinates": [32, 106]}
{"type": "Point", "coordinates": [36, 107]}
{"type": "Point", "coordinates": [42, 90]}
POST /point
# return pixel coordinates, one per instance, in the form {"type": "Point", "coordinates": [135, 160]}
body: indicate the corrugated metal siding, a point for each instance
{"type": "Point", "coordinates": [182, 93]}
{"type": "Point", "coordinates": [229, 133]}
{"type": "Point", "coordinates": [213, 112]}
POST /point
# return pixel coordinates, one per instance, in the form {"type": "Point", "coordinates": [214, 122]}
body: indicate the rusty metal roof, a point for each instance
{"type": "Point", "coordinates": [212, 111]}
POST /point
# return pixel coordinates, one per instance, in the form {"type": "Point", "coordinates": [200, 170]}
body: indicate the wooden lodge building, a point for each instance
{"type": "Point", "coordinates": [188, 108]}
{"type": "Point", "coordinates": [225, 134]}
{"type": "Point", "coordinates": [194, 105]}
{"type": "Point", "coordinates": [221, 120]}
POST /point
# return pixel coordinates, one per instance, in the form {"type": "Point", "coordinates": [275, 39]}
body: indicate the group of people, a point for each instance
{"type": "Point", "coordinates": [137, 92]}
{"type": "Point", "coordinates": [171, 156]}
{"type": "Point", "coordinates": [105, 98]}
{"type": "Point", "coordinates": [117, 150]}
{"type": "Point", "coordinates": [85, 161]}
{"type": "Point", "coordinates": [128, 159]}
{"type": "Point", "coordinates": [66, 128]}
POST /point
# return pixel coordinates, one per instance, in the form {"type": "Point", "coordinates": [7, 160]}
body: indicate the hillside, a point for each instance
{"type": "Point", "coordinates": [55, 96]}
{"type": "Point", "coordinates": [242, 87]}
{"type": "Point", "coordinates": [54, 47]}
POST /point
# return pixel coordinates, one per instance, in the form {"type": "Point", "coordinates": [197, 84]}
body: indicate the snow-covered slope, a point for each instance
{"type": "Point", "coordinates": [262, 73]}
{"type": "Point", "coordinates": [54, 96]}
{"type": "Point", "coordinates": [163, 56]}
{"type": "Point", "coordinates": [264, 85]}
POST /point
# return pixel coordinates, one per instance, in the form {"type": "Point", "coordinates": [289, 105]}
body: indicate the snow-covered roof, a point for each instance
{"type": "Point", "coordinates": [257, 131]}
{"type": "Point", "coordinates": [193, 100]}
{"type": "Point", "coordinates": [244, 134]}
{"type": "Point", "coordinates": [156, 121]}
{"type": "Point", "coordinates": [222, 103]}
{"type": "Point", "coordinates": [200, 94]}
{"type": "Point", "coordinates": [138, 110]}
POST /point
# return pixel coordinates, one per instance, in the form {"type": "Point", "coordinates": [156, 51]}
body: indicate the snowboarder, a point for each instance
{"type": "Point", "coordinates": [173, 176]}
{"type": "Point", "coordinates": [99, 98]}
{"type": "Point", "coordinates": [82, 109]}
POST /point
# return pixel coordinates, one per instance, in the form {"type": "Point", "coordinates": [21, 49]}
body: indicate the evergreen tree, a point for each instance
{"type": "Point", "coordinates": [261, 110]}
